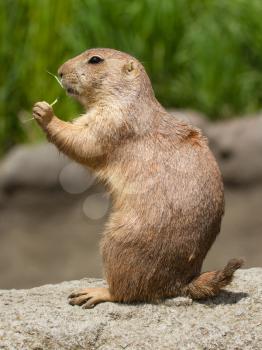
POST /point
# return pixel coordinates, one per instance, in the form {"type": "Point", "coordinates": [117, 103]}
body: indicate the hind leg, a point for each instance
{"type": "Point", "coordinates": [89, 297]}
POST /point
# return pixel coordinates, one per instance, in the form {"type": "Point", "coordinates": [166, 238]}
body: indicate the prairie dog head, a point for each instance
{"type": "Point", "coordinates": [104, 76]}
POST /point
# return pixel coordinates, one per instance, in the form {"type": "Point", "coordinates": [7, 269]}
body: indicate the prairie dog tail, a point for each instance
{"type": "Point", "coordinates": [208, 284]}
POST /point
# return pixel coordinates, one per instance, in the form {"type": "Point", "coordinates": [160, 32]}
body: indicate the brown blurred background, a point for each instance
{"type": "Point", "coordinates": [201, 56]}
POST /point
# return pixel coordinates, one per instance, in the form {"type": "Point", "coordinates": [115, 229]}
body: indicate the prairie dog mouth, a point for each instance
{"type": "Point", "coordinates": [71, 91]}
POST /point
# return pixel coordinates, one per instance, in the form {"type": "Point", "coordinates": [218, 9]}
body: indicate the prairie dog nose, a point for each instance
{"type": "Point", "coordinates": [60, 72]}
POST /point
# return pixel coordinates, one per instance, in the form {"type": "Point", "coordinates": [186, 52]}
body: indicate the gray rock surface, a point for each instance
{"type": "Point", "coordinates": [31, 166]}
{"type": "Point", "coordinates": [41, 319]}
{"type": "Point", "coordinates": [237, 145]}
{"type": "Point", "coordinates": [42, 166]}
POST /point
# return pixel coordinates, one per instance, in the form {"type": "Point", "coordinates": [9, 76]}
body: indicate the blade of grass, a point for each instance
{"type": "Point", "coordinates": [56, 78]}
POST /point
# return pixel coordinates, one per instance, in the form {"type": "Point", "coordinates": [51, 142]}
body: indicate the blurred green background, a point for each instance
{"type": "Point", "coordinates": [204, 55]}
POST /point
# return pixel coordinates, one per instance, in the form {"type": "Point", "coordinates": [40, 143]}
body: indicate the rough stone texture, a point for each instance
{"type": "Point", "coordinates": [41, 319]}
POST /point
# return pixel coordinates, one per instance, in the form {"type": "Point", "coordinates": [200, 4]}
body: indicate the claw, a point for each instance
{"type": "Point", "coordinates": [79, 292]}
{"type": "Point", "coordinates": [90, 297]}
{"type": "Point", "coordinates": [79, 300]}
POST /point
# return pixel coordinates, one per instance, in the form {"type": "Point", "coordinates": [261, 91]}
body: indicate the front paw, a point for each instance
{"type": "Point", "coordinates": [43, 113]}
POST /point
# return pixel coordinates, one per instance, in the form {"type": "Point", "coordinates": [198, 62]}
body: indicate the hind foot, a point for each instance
{"type": "Point", "coordinates": [89, 297]}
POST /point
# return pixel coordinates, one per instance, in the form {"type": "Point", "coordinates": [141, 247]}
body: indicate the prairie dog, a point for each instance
{"type": "Point", "coordinates": [166, 188]}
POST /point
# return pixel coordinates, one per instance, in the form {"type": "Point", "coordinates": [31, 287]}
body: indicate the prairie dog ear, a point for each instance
{"type": "Point", "coordinates": [130, 67]}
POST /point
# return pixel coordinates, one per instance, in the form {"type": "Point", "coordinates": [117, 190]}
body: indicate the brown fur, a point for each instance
{"type": "Point", "coordinates": [166, 187]}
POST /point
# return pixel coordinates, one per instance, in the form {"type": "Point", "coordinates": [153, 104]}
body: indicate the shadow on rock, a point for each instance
{"type": "Point", "coordinates": [224, 298]}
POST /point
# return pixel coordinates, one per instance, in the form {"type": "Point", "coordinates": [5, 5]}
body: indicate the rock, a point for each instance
{"type": "Point", "coordinates": [33, 166]}
{"type": "Point", "coordinates": [41, 166]}
{"type": "Point", "coordinates": [41, 319]}
{"type": "Point", "coordinates": [237, 145]}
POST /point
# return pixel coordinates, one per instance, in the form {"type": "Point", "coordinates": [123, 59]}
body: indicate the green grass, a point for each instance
{"type": "Point", "coordinates": [200, 54]}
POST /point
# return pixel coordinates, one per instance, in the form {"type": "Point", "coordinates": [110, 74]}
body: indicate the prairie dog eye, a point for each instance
{"type": "Point", "coordinates": [95, 60]}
